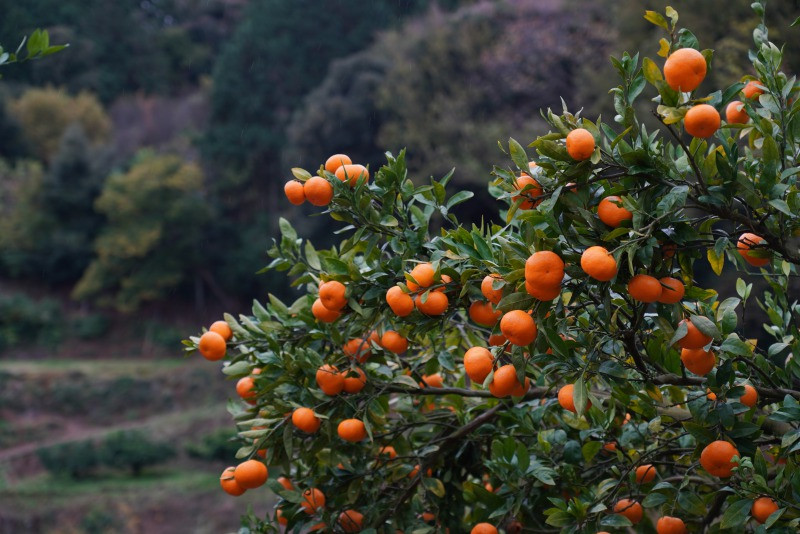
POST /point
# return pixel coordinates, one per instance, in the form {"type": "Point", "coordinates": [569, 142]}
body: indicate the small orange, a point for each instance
{"type": "Point", "coordinates": [428, 517]}
{"type": "Point", "coordinates": [752, 89]}
{"type": "Point", "coordinates": [763, 507]}
{"type": "Point", "coordinates": [630, 509]}
{"type": "Point", "coordinates": [746, 242]}
{"type": "Point", "coordinates": [483, 528]}
{"type": "Point", "coordinates": [351, 173]}
{"type": "Point", "coordinates": [389, 451]}
{"type": "Point", "coordinates": [360, 349]}
{"type": "Point", "coordinates": [543, 292]}
{"type": "Point", "coordinates": [611, 446]}
{"type": "Point", "coordinates": [478, 363]}
{"type": "Point", "coordinates": [701, 120]}
{"type": "Point", "coordinates": [336, 161]}
{"type": "Point", "coordinates": [566, 398]}
{"type": "Point", "coordinates": [645, 474]}
{"type": "Point", "coordinates": [436, 303]}
{"type": "Point", "coordinates": [496, 340]}
{"type": "Point", "coordinates": [394, 342]}
{"type": "Point", "coordinates": [598, 263]}
{"type": "Point", "coordinates": [698, 361]}
{"type": "Point", "coordinates": [228, 482]}
{"type": "Point", "coordinates": [286, 483]}
{"type": "Point", "coordinates": [351, 521]}
{"type": "Point", "coordinates": [670, 525]}
{"type": "Point", "coordinates": [222, 328]}
{"type": "Point", "coordinates": [736, 114]}
{"type": "Point", "coordinates": [282, 520]}
{"type": "Point", "coordinates": [330, 380]}
{"type": "Point", "coordinates": [504, 381]}
{"type": "Point", "coordinates": [332, 295]}
{"type": "Point", "coordinates": [668, 250]}
{"type": "Point", "coordinates": [246, 388]}
{"type": "Point", "coordinates": [212, 346]}
{"type": "Point", "coordinates": [644, 288]}
{"type": "Point", "coordinates": [717, 458]}
{"type": "Point", "coordinates": [711, 395]}
{"type": "Point", "coordinates": [422, 275]}
{"type": "Point", "coordinates": [544, 268]}
{"type": "Point", "coordinates": [445, 280]}
{"type": "Point", "coordinates": [750, 397]}
{"type": "Point", "coordinates": [518, 327]}
{"type": "Point", "coordinates": [532, 189]}
{"type": "Point", "coordinates": [400, 302]}
{"type": "Point", "coordinates": [352, 430]}
{"type": "Point", "coordinates": [434, 381]}
{"type": "Point", "coordinates": [318, 191]}
{"type": "Point", "coordinates": [250, 474]}
{"type": "Point", "coordinates": [672, 290]}
{"type": "Point", "coordinates": [580, 144]}
{"type": "Point", "coordinates": [305, 420]}
{"type": "Point", "coordinates": [484, 313]}
{"type": "Point", "coordinates": [294, 192]}
{"type": "Point", "coordinates": [611, 211]}
{"type": "Point", "coordinates": [321, 313]}
{"type": "Point", "coordinates": [354, 384]}
{"type": "Point", "coordinates": [685, 69]}
{"type": "Point", "coordinates": [492, 295]}
{"type": "Point", "coordinates": [694, 338]}
{"type": "Point", "coordinates": [313, 501]}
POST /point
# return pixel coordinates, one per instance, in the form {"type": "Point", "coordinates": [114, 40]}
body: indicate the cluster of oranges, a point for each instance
{"type": "Point", "coordinates": [317, 189]}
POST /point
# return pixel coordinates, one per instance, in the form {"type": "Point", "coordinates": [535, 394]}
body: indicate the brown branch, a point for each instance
{"type": "Point", "coordinates": [533, 393]}
{"type": "Point", "coordinates": [675, 380]}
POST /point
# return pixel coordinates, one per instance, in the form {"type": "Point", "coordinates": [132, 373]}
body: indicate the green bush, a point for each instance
{"type": "Point", "coordinates": [74, 460]}
{"type": "Point", "coordinates": [24, 320]}
{"type": "Point", "coordinates": [134, 450]}
{"type": "Point", "coordinates": [220, 445]}
{"type": "Point", "coordinates": [90, 326]}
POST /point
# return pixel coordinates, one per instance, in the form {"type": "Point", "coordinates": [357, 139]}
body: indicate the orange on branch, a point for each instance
{"type": "Point", "coordinates": [644, 288]}
{"type": "Point", "coordinates": [336, 161]}
{"type": "Point", "coordinates": [305, 420]}
{"type": "Point", "coordinates": [672, 290]}
{"type": "Point", "coordinates": [352, 430]}
{"type": "Point", "coordinates": [330, 380]}
{"type": "Point", "coordinates": [698, 361]}
{"type": "Point", "coordinates": [332, 295]}
{"type": "Point", "coordinates": [518, 327]}
{"type": "Point", "coordinates": [492, 295]}
{"type": "Point", "coordinates": [212, 346]}
{"type": "Point", "coordinates": [746, 242]}
{"type": "Point", "coordinates": [630, 509]}
{"type": "Point", "coordinates": [736, 114]}
{"type": "Point", "coordinates": [478, 363]}
{"type": "Point", "coordinates": [580, 144]}
{"type": "Point", "coordinates": [435, 304]}
{"type": "Point", "coordinates": [694, 338]}
{"type": "Point", "coordinates": [484, 313]}
{"type": "Point", "coordinates": [318, 191]}
{"type": "Point", "coordinates": [762, 508]}
{"type": "Point", "coordinates": [322, 313]}
{"type": "Point", "coordinates": [685, 69]}
{"type": "Point", "coordinates": [702, 121]}
{"type": "Point", "coordinates": [612, 212]}
{"type": "Point", "coordinates": [250, 474]}
{"type": "Point", "coordinates": [222, 328]}
{"type": "Point", "coordinates": [399, 301]}
{"type": "Point", "coordinates": [598, 263]}
{"type": "Point", "coordinates": [717, 458]}
{"type": "Point", "coordinates": [294, 192]}
{"type": "Point", "coordinates": [352, 173]}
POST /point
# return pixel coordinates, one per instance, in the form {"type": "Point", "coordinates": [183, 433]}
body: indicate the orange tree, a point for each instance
{"type": "Point", "coordinates": [561, 372]}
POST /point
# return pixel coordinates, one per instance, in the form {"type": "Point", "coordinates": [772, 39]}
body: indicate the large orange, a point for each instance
{"type": "Point", "coordinates": [351, 173]}
{"type": "Point", "coordinates": [698, 361]}
{"type": "Point", "coordinates": [330, 380]}
{"type": "Point", "coordinates": [670, 525]}
{"type": "Point", "coordinates": [717, 458]}
{"type": "Point", "coordinates": [332, 295]}
{"type": "Point", "coordinates": [566, 398]}
{"type": "Point", "coordinates": [222, 328]}
{"type": "Point", "coordinates": [685, 69]}
{"type": "Point", "coordinates": [645, 474]}
{"type": "Point", "coordinates": [544, 268]}
{"type": "Point", "coordinates": [394, 342]}
{"type": "Point", "coordinates": [598, 263]}
{"type": "Point", "coordinates": [336, 161]}
{"type": "Point", "coordinates": [504, 381]}
{"type": "Point", "coordinates": [752, 89]}
{"type": "Point", "coordinates": [478, 363]}
{"type": "Point", "coordinates": [212, 346]}
{"type": "Point", "coordinates": [422, 275]}
{"type": "Point", "coordinates": [294, 192]}
{"type": "Point", "coordinates": [305, 420]}
{"type": "Point", "coordinates": [612, 212]}
{"type": "Point", "coordinates": [644, 288]}
{"type": "Point", "coordinates": [351, 521]}
{"type": "Point", "coordinates": [580, 144]}
{"type": "Point", "coordinates": [436, 303]}
{"type": "Point", "coordinates": [630, 509]}
{"type": "Point", "coordinates": [736, 114]}
{"type": "Point", "coordinates": [484, 313]}
{"type": "Point", "coordinates": [492, 295]}
{"type": "Point", "coordinates": [354, 384]}
{"type": "Point", "coordinates": [318, 191]}
{"type": "Point", "coordinates": [531, 188]}
{"type": "Point", "coordinates": [694, 338]}
{"type": "Point", "coordinates": [518, 327]}
{"type": "Point", "coordinates": [352, 430]}
{"type": "Point", "coordinates": [750, 397]}
{"type": "Point", "coordinates": [322, 313]}
{"type": "Point", "coordinates": [483, 528]}
{"type": "Point", "coordinates": [763, 507]}
{"type": "Point", "coordinates": [250, 474]}
{"type": "Point", "coordinates": [746, 242]}
{"type": "Point", "coordinates": [399, 301]}
{"type": "Point", "coordinates": [228, 482]}
{"type": "Point", "coordinates": [701, 120]}
{"type": "Point", "coordinates": [313, 500]}
{"type": "Point", "coordinates": [672, 290]}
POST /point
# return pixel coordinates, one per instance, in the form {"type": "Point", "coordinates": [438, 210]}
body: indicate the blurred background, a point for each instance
{"type": "Point", "coordinates": [141, 176]}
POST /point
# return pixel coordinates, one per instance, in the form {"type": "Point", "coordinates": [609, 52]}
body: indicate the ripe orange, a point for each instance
{"type": "Point", "coordinates": [360, 349]}
{"type": "Point", "coordinates": [566, 398]}
{"type": "Point", "coordinates": [313, 500]}
{"type": "Point", "coordinates": [529, 195]}
{"type": "Point", "coordinates": [423, 275]}
{"type": "Point", "coordinates": [294, 192]}
{"type": "Point", "coordinates": [222, 328]}
{"type": "Point", "coordinates": [483, 528]}
{"type": "Point", "coordinates": [694, 338]}
{"type": "Point", "coordinates": [701, 120]}
{"type": "Point", "coordinates": [672, 290]}
{"type": "Point", "coordinates": [394, 342]}
{"type": "Point", "coordinates": [389, 451]}
{"type": "Point", "coordinates": [630, 509]}
{"type": "Point", "coordinates": [351, 521]}
{"type": "Point", "coordinates": [400, 302]}
{"type": "Point", "coordinates": [351, 173]}
{"type": "Point", "coordinates": [332, 295]}
{"type": "Point", "coordinates": [445, 280]}
{"type": "Point", "coordinates": [484, 313]}
{"type": "Point", "coordinates": [504, 381]}
{"type": "Point", "coordinates": [428, 517]}
{"type": "Point", "coordinates": [711, 395]}
{"type": "Point", "coordinates": [668, 250]}
{"type": "Point", "coordinates": [747, 241]}
{"type": "Point", "coordinates": [698, 361]}
{"type": "Point", "coordinates": [492, 295]}
{"type": "Point", "coordinates": [246, 388]}
{"type": "Point", "coordinates": [436, 303]}
{"type": "Point", "coordinates": [544, 268]}
{"type": "Point", "coordinates": [671, 525]}
{"type": "Point", "coordinates": [281, 519]}
{"type": "Point", "coordinates": [541, 292]}
{"type": "Point", "coordinates": [330, 380]}
{"type": "Point", "coordinates": [644, 288]}
{"type": "Point", "coordinates": [478, 363]}
{"type": "Point", "coordinates": [229, 484]}
{"type": "Point", "coordinates": [212, 346]}
{"type": "Point", "coordinates": [611, 211]}
{"type": "Point", "coordinates": [250, 474]}
{"type": "Point", "coordinates": [520, 390]}
{"type": "Point", "coordinates": [305, 420]}
{"type": "Point", "coordinates": [685, 69]}
{"type": "Point", "coordinates": [580, 144]}
{"type": "Point", "coordinates": [611, 446]}
{"type": "Point", "coordinates": [598, 263]}
{"type": "Point", "coordinates": [496, 340]}
{"type": "Point", "coordinates": [336, 161]}
{"type": "Point", "coordinates": [750, 397]}
{"type": "Point", "coordinates": [518, 327]}
{"type": "Point", "coordinates": [286, 483]}
{"type": "Point", "coordinates": [354, 384]}
{"type": "Point", "coordinates": [321, 313]}
{"type": "Point", "coordinates": [352, 430]}
{"type": "Point", "coordinates": [434, 381]}
{"type": "Point", "coordinates": [318, 191]}
{"type": "Point", "coordinates": [717, 458]}
{"type": "Point", "coordinates": [763, 507]}
{"type": "Point", "coordinates": [752, 89]}
{"type": "Point", "coordinates": [736, 114]}
{"type": "Point", "coordinates": [645, 474]}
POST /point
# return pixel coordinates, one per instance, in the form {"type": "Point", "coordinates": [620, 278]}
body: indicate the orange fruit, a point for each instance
{"type": "Point", "coordinates": [436, 303]}
{"type": "Point", "coordinates": [445, 280]}
{"type": "Point", "coordinates": [321, 313]}
{"type": "Point", "coordinates": [222, 328]}
{"type": "Point", "coordinates": [580, 144]}
{"type": "Point", "coordinates": [354, 384]}
{"type": "Point", "coordinates": [644, 288]}
{"type": "Point", "coordinates": [360, 349]}
{"type": "Point", "coordinates": [598, 263]}
{"type": "Point", "coordinates": [670, 525]}
{"type": "Point", "coordinates": [400, 302]}
{"type": "Point", "coordinates": [228, 482]}
{"type": "Point", "coordinates": [611, 211]}
{"type": "Point", "coordinates": [330, 380]}
{"type": "Point", "coordinates": [250, 474]}
{"type": "Point", "coordinates": [736, 114]}
{"type": "Point", "coordinates": [294, 192]}
{"type": "Point", "coordinates": [504, 381]}
{"type": "Point", "coordinates": [351, 173]}
{"type": "Point", "coordinates": [542, 292]}
{"type": "Point", "coordinates": [701, 120]}
{"type": "Point", "coordinates": [611, 446]}
{"type": "Point", "coordinates": [434, 381]}
{"type": "Point", "coordinates": [630, 509]}
{"type": "Point", "coordinates": [544, 268]}
{"type": "Point", "coordinates": [331, 294]}
{"type": "Point", "coordinates": [763, 507]}
{"type": "Point", "coordinates": [711, 395]}
{"type": "Point", "coordinates": [534, 189]}
{"type": "Point", "coordinates": [245, 387]}
{"type": "Point", "coordinates": [668, 250]}
{"type": "Point", "coordinates": [694, 338]}
{"type": "Point", "coordinates": [483, 528]}
{"type": "Point", "coordinates": [685, 69]}
{"type": "Point", "coordinates": [336, 161]}
{"type": "Point", "coordinates": [422, 275]}
{"type": "Point", "coordinates": [428, 517]}
{"type": "Point", "coordinates": [566, 398]}
{"type": "Point", "coordinates": [286, 483]}
{"type": "Point", "coordinates": [212, 346]}
{"type": "Point", "coordinates": [281, 519]}
{"type": "Point", "coordinates": [305, 420]}
{"type": "Point", "coordinates": [748, 240]}
{"type": "Point", "coordinates": [313, 500]}
{"type": "Point", "coordinates": [520, 390]}
{"type": "Point", "coordinates": [750, 397]}
{"type": "Point", "coordinates": [394, 342]}
{"type": "Point", "coordinates": [318, 191]}
{"type": "Point", "coordinates": [698, 361]}
{"type": "Point", "coordinates": [389, 451]}
{"type": "Point", "coordinates": [351, 521]}
{"type": "Point", "coordinates": [484, 313]}
{"type": "Point", "coordinates": [518, 327]}
{"type": "Point", "coordinates": [352, 430]}
{"type": "Point", "coordinates": [478, 363]}
{"type": "Point", "coordinates": [752, 89]}
{"type": "Point", "coordinates": [672, 290]}
{"type": "Point", "coordinates": [496, 340]}
{"type": "Point", "coordinates": [645, 474]}
{"type": "Point", "coordinates": [717, 458]}
{"type": "Point", "coordinates": [492, 295]}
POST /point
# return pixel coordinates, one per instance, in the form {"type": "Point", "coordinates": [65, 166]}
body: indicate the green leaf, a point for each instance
{"type": "Point", "coordinates": [783, 207]}
{"type": "Point", "coordinates": [590, 450]}
{"type": "Point", "coordinates": [406, 381]}
{"type": "Point", "coordinates": [286, 229]}
{"type": "Point", "coordinates": [579, 395]}
{"type": "Point", "coordinates": [515, 301]}
{"type": "Point", "coordinates": [615, 520]}
{"type": "Point", "coordinates": [654, 499]}
{"type": "Point", "coordinates": [301, 174]}
{"type": "Point", "coordinates": [434, 485]}
{"type": "Point", "coordinates": [518, 155]}
{"type": "Point", "coordinates": [690, 502]}
{"type": "Point", "coordinates": [651, 71]}
{"type": "Point", "coordinates": [706, 326]}
{"type": "Point", "coordinates": [312, 257]}
{"type": "Point", "coordinates": [734, 345]}
{"type": "Point", "coordinates": [737, 513]}
{"type": "Point", "coordinates": [458, 198]}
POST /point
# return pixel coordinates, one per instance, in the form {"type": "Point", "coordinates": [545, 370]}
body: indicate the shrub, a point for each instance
{"type": "Point", "coordinates": [75, 460]}
{"type": "Point", "coordinates": [134, 450]}
{"type": "Point", "coordinates": [27, 321]}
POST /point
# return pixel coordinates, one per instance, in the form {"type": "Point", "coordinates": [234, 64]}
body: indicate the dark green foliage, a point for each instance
{"type": "Point", "coordinates": [24, 321]}
{"type": "Point", "coordinates": [91, 326]}
{"type": "Point", "coordinates": [134, 450]}
{"type": "Point", "coordinates": [73, 460]}
{"type": "Point", "coordinates": [220, 445]}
